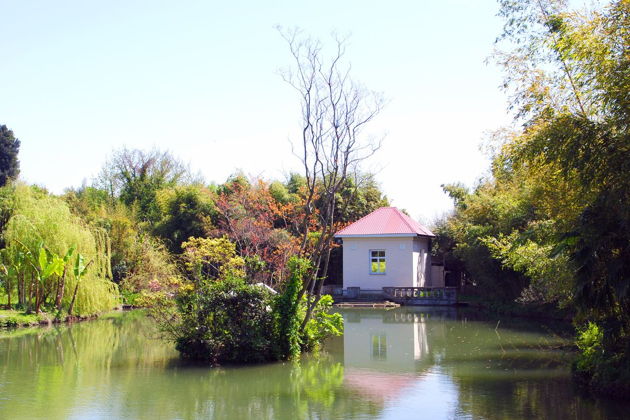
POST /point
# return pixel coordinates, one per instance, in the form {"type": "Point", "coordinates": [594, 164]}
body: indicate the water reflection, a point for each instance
{"type": "Point", "coordinates": [405, 363]}
{"type": "Point", "coordinates": [386, 353]}
{"type": "Point", "coordinates": [391, 340]}
{"type": "Point", "coordinates": [446, 364]}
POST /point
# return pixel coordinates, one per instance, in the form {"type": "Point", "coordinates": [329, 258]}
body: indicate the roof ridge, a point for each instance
{"type": "Point", "coordinates": [403, 216]}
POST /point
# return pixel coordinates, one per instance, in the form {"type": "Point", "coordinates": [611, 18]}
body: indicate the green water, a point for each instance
{"type": "Point", "coordinates": [399, 364]}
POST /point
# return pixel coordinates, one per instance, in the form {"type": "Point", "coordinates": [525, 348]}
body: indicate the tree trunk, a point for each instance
{"type": "Point", "coordinates": [19, 287]}
{"type": "Point", "coordinates": [29, 301]}
{"type": "Point", "coordinates": [37, 293]}
{"type": "Point", "coordinates": [74, 296]}
{"type": "Point", "coordinates": [61, 285]}
{"type": "Point", "coordinates": [8, 293]}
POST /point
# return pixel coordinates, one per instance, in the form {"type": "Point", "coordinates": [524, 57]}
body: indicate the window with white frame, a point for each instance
{"type": "Point", "coordinates": [377, 261]}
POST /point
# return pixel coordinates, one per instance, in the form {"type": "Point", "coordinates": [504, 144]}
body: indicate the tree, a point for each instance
{"type": "Point", "coordinates": [212, 259]}
{"type": "Point", "coordinates": [135, 176]}
{"type": "Point", "coordinates": [186, 212]}
{"type": "Point", "coordinates": [568, 73]}
{"type": "Point", "coordinates": [41, 236]}
{"type": "Point", "coordinates": [335, 111]}
{"type": "Point", "coordinates": [258, 223]}
{"type": "Point", "coordinates": [9, 148]}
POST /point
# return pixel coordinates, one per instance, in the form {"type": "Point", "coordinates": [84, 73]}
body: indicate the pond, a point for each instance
{"type": "Point", "coordinates": [397, 364]}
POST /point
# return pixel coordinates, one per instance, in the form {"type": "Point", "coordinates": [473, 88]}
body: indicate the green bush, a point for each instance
{"type": "Point", "coordinates": [602, 366]}
{"type": "Point", "coordinates": [589, 342]}
{"type": "Point", "coordinates": [226, 322]}
{"type": "Point", "coordinates": [287, 311]}
{"type": "Point", "coordinates": [322, 325]}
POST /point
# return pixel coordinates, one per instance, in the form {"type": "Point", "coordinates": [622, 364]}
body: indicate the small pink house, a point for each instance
{"type": "Point", "coordinates": [386, 248]}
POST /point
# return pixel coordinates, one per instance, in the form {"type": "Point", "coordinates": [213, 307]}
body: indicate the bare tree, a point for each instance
{"type": "Point", "coordinates": [335, 111]}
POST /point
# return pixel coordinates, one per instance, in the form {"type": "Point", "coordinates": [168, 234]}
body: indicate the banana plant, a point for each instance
{"type": "Point", "coordinates": [61, 284]}
{"type": "Point", "coordinates": [47, 264]}
{"type": "Point", "coordinates": [23, 260]}
{"type": "Point", "coordinates": [79, 270]}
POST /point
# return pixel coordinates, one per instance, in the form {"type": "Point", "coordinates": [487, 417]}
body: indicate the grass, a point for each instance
{"type": "Point", "coordinates": [11, 318]}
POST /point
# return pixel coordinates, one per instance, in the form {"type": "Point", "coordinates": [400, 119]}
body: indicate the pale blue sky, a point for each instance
{"type": "Point", "coordinates": [79, 79]}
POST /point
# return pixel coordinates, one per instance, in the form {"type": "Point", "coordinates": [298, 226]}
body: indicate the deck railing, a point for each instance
{"type": "Point", "coordinates": [419, 295]}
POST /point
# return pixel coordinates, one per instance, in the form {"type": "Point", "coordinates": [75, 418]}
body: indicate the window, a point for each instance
{"type": "Point", "coordinates": [379, 347]}
{"type": "Point", "coordinates": [377, 261]}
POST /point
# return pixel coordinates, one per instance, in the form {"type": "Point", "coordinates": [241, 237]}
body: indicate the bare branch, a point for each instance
{"type": "Point", "coordinates": [335, 111]}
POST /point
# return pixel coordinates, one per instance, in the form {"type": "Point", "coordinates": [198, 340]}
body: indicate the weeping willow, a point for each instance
{"type": "Point", "coordinates": [39, 219]}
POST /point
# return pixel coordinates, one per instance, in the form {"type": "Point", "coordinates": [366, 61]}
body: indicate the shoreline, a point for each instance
{"type": "Point", "coordinates": [11, 319]}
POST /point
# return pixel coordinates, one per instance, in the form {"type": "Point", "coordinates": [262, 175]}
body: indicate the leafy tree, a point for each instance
{"type": "Point", "coordinates": [555, 210]}
{"type": "Point", "coordinates": [358, 197]}
{"type": "Point", "coordinates": [485, 213]}
{"type": "Point", "coordinates": [259, 225]}
{"type": "Point", "coordinates": [187, 212]}
{"type": "Point", "coordinates": [9, 148]}
{"type": "Point", "coordinates": [212, 259]}
{"type": "Point", "coordinates": [135, 176]}
{"type": "Point", "coordinates": [41, 235]}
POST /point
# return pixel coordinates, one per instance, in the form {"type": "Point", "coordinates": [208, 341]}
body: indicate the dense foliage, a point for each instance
{"type": "Point", "coordinates": [51, 258]}
{"type": "Point", "coordinates": [219, 318]}
{"type": "Point", "coordinates": [201, 256]}
{"type": "Point", "coordinates": [225, 321]}
{"type": "Point", "coordinates": [552, 223]}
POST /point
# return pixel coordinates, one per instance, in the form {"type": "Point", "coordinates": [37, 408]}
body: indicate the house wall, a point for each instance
{"type": "Point", "coordinates": [402, 257]}
{"type": "Point", "coordinates": [421, 262]}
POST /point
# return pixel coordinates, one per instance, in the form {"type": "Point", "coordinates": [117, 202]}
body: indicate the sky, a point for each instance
{"type": "Point", "coordinates": [200, 79]}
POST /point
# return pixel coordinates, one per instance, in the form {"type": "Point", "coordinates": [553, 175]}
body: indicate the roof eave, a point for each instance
{"type": "Point", "coordinates": [382, 235]}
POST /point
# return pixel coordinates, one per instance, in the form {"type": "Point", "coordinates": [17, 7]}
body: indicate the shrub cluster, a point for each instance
{"type": "Point", "coordinates": [600, 366]}
{"type": "Point", "coordinates": [227, 320]}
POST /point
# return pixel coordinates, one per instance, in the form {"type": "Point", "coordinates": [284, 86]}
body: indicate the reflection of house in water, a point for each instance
{"type": "Point", "coordinates": [385, 350]}
{"type": "Point", "coordinates": [393, 340]}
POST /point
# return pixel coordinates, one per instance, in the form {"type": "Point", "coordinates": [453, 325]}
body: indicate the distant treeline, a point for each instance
{"type": "Point", "coordinates": [130, 224]}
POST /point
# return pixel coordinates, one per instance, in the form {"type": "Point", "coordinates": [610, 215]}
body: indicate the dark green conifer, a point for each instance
{"type": "Point", "coordinates": [9, 148]}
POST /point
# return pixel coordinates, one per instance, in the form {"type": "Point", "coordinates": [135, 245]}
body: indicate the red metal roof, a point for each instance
{"type": "Point", "coordinates": [385, 221]}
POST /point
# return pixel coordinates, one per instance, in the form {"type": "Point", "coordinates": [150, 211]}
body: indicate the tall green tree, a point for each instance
{"type": "Point", "coordinates": [568, 71]}
{"type": "Point", "coordinates": [576, 107]}
{"type": "Point", "coordinates": [9, 148]}
{"type": "Point", "coordinates": [186, 212]}
{"type": "Point", "coordinates": [553, 220]}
